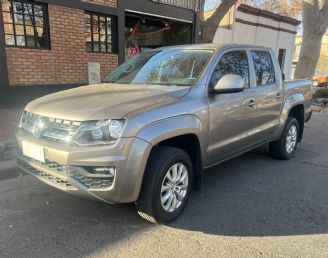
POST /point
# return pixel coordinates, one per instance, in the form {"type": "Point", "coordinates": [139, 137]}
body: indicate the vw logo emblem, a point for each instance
{"type": "Point", "coordinates": [40, 125]}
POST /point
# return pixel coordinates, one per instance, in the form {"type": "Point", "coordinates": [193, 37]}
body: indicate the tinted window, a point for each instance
{"type": "Point", "coordinates": [264, 70]}
{"type": "Point", "coordinates": [231, 63]}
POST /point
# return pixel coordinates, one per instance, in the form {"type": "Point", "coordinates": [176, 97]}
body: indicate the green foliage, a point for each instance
{"type": "Point", "coordinates": [322, 93]}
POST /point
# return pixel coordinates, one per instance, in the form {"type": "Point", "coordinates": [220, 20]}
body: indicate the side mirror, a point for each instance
{"type": "Point", "coordinates": [230, 83]}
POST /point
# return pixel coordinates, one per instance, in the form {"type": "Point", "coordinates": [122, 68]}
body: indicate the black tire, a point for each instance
{"type": "Point", "coordinates": [278, 148]}
{"type": "Point", "coordinates": [160, 161]}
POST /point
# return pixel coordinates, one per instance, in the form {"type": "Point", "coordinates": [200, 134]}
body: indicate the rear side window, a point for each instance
{"type": "Point", "coordinates": [234, 62]}
{"type": "Point", "coordinates": [264, 70]}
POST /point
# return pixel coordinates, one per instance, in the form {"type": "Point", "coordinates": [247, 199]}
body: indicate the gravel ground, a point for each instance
{"type": "Point", "coordinates": [251, 206]}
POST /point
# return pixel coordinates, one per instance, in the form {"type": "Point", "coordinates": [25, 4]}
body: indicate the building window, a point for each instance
{"type": "Point", "coordinates": [99, 33]}
{"type": "Point", "coordinates": [25, 24]}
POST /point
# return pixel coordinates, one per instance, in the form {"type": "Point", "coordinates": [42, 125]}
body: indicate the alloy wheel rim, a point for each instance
{"type": "Point", "coordinates": [291, 139]}
{"type": "Point", "coordinates": [174, 187]}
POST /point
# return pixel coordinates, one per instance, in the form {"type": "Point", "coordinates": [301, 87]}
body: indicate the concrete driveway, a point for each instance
{"type": "Point", "coordinates": [251, 206]}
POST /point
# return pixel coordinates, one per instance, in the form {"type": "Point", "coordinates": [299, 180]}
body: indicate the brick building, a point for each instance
{"type": "Point", "coordinates": [53, 42]}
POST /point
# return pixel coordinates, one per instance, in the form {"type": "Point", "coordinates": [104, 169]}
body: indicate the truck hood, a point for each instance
{"type": "Point", "coordinates": [103, 101]}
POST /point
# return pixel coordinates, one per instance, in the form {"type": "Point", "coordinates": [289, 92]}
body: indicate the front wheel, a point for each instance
{"type": "Point", "coordinates": [285, 147]}
{"type": "Point", "coordinates": [166, 186]}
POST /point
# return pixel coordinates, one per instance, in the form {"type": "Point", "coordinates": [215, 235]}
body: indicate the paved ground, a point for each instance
{"type": "Point", "coordinates": [251, 206]}
{"type": "Point", "coordinates": [9, 120]}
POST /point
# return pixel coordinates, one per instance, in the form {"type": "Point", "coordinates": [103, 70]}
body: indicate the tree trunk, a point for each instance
{"type": "Point", "coordinates": [315, 23]}
{"type": "Point", "coordinates": [209, 27]}
{"type": "Point", "coordinates": [309, 56]}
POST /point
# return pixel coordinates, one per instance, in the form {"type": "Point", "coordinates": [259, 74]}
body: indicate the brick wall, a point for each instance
{"type": "Point", "coordinates": [66, 62]}
{"type": "Point", "coordinates": [110, 3]}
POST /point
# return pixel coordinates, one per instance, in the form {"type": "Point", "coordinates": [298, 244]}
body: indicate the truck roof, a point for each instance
{"type": "Point", "coordinates": [214, 46]}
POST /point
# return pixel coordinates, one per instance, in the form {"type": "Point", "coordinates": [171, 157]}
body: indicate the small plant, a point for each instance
{"type": "Point", "coordinates": [322, 93]}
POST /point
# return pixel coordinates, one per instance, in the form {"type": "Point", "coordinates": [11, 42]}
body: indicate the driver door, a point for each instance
{"type": "Point", "coordinates": [231, 115]}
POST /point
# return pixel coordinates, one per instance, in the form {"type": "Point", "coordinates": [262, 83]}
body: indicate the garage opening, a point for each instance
{"type": "Point", "coordinates": [144, 32]}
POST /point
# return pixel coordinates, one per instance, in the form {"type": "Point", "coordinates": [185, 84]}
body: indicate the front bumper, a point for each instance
{"type": "Point", "coordinates": [65, 167]}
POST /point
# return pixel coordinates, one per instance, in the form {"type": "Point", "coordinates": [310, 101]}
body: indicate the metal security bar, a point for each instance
{"type": "Point", "coordinates": [187, 4]}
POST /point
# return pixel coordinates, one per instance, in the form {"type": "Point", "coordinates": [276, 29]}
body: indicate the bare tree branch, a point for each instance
{"type": "Point", "coordinates": [221, 11]}
{"type": "Point", "coordinates": [290, 8]}
{"type": "Point", "coordinates": [210, 26]}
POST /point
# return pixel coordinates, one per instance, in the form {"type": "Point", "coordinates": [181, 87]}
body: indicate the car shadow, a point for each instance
{"type": "Point", "coordinates": [44, 222]}
{"type": "Point", "coordinates": [254, 195]}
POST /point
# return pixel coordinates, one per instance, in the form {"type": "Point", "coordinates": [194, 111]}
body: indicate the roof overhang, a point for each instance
{"type": "Point", "coordinates": [270, 15]}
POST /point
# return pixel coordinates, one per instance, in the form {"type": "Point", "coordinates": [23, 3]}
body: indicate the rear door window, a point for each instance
{"type": "Point", "coordinates": [264, 70]}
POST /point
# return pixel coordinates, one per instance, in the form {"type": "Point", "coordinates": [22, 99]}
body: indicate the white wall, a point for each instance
{"type": "Point", "coordinates": [256, 35]}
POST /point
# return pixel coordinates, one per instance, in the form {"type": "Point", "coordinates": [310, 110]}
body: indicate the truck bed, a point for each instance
{"type": "Point", "coordinates": [302, 88]}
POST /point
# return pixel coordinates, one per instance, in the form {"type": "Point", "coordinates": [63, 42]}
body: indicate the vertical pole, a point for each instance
{"type": "Point", "coordinates": [198, 15]}
{"type": "Point", "coordinates": [121, 36]}
{"type": "Point", "coordinates": [4, 80]}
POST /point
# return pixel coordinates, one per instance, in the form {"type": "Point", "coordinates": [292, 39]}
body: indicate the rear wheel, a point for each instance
{"type": "Point", "coordinates": [285, 147]}
{"type": "Point", "coordinates": [166, 186]}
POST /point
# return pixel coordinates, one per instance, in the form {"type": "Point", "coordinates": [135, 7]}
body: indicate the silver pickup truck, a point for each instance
{"type": "Point", "coordinates": [148, 132]}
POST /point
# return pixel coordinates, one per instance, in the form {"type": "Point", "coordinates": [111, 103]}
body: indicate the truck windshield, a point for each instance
{"type": "Point", "coordinates": [178, 67]}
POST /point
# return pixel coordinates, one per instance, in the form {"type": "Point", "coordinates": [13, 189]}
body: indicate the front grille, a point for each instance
{"type": "Point", "coordinates": [50, 178]}
{"type": "Point", "coordinates": [91, 181]}
{"type": "Point", "coordinates": [54, 129]}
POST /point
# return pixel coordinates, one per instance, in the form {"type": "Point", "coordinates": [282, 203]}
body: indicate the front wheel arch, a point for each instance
{"type": "Point", "coordinates": [149, 204]}
{"type": "Point", "coordinates": [191, 145]}
{"type": "Point", "coordinates": [185, 132]}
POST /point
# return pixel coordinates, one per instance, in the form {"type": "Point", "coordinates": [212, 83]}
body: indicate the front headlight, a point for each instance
{"type": "Point", "coordinates": [99, 132]}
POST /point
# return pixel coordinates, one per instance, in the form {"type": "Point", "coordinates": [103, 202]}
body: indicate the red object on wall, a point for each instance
{"type": "Point", "coordinates": [133, 50]}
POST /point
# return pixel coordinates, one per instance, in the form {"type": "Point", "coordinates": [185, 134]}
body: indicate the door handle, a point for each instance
{"type": "Point", "coordinates": [252, 103]}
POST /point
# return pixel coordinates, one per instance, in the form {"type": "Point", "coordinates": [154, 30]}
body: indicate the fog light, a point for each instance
{"type": "Point", "coordinates": [108, 171]}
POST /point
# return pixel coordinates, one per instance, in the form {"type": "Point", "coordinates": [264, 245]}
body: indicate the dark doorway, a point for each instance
{"type": "Point", "coordinates": [281, 58]}
{"type": "Point", "coordinates": [144, 32]}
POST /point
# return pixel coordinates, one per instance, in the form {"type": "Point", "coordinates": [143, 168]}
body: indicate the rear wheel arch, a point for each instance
{"type": "Point", "coordinates": [285, 147]}
{"type": "Point", "coordinates": [293, 106]}
{"type": "Point", "coordinates": [298, 113]}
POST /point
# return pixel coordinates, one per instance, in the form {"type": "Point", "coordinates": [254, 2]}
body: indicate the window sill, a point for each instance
{"type": "Point", "coordinates": [98, 52]}
{"type": "Point", "coordinates": [23, 47]}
